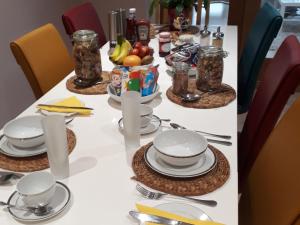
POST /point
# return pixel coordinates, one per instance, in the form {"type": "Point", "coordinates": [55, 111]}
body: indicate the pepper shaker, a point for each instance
{"type": "Point", "coordinates": [205, 37]}
{"type": "Point", "coordinates": [218, 38]}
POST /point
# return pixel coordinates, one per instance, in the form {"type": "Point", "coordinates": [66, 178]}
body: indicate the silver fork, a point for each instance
{"type": "Point", "coordinates": [157, 195]}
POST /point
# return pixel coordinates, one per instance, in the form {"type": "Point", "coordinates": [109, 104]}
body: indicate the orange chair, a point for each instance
{"type": "Point", "coordinates": [272, 191]}
{"type": "Point", "coordinates": [43, 58]}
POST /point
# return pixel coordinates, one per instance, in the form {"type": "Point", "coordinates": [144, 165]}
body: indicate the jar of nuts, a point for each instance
{"type": "Point", "coordinates": [180, 78]}
{"type": "Point", "coordinates": [87, 58]}
{"type": "Point", "coordinates": [210, 68]}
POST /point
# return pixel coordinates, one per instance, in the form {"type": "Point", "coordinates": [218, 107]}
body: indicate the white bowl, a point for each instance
{"type": "Point", "coordinates": [25, 132]}
{"type": "Point", "coordinates": [146, 115]}
{"type": "Point", "coordinates": [180, 147]}
{"type": "Point", "coordinates": [143, 99]}
{"type": "Point", "coordinates": [36, 188]}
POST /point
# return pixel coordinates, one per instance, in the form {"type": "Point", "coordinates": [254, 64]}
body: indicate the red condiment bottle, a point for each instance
{"type": "Point", "coordinates": [131, 29]}
{"type": "Point", "coordinates": [143, 31]}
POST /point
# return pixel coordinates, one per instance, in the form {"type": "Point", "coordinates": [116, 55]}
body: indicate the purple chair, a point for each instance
{"type": "Point", "coordinates": [278, 82]}
{"type": "Point", "coordinates": [83, 17]}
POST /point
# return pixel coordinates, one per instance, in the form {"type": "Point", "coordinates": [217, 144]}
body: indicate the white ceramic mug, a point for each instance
{"type": "Point", "coordinates": [37, 188]}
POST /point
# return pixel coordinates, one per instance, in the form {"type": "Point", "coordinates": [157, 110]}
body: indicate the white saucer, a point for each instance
{"type": "Point", "coordinates": [152, 127]}
{"type": "Point", "coordinates": [7, 148]}
{"type": "Point", "coordinates": [185, 210]}
{"type": "Point", "coordinates": [203, 166]}
{"type": "Point", "coordinates": [58, 204]}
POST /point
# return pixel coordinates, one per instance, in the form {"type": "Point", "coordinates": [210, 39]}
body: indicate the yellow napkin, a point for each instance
{"type": "Point", "coordinates": [71, 101]}
{"type": "Point", "coordinates": [158, 212]}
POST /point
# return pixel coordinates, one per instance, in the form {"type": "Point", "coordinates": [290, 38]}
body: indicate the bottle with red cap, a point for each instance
{"type": "Point", "coordinates": [164, 44]}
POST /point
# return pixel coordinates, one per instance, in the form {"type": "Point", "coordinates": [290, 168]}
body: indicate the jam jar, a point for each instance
{"type": "Point", "coordinates": [210, 68]}
{"type": "Point", "coordinates": [87, 58]}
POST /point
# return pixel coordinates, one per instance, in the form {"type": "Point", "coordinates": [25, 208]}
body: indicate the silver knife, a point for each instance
{"type": "Point", "coordinates": [143, 217]}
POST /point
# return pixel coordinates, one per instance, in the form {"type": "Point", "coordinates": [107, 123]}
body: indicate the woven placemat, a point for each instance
{"type": "Point", "coordinates": [33, 163]}
{"type": "Point", "coordinates": [177, 186]}
{"type": "Point", "coordinates": [97, 89]}
{"type": "Point", "coordinates": [207, 100]}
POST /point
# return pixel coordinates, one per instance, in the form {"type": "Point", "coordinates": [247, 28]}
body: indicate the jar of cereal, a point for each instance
{"type": "Point", "coordinates": [87, 58]}
{"type": "Point", "coordinates": [210, 68]}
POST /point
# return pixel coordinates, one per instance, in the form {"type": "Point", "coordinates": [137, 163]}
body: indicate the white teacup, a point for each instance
{"type": "Point", "coordinates": [37, 188]}
{"type": "Point", "coordinates": [146, 115]}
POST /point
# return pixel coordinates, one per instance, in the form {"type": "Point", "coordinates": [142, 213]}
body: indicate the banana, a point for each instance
{"type": "Point", "coordinates": [116, 52]}
{"type": "Point", "coordinates": [125, 48]}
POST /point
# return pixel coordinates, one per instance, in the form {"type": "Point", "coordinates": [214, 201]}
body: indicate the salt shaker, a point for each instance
{"type": "Point", "coordinates": [205, 37]}
{"type": "Point", "coordinates": [218, 38]}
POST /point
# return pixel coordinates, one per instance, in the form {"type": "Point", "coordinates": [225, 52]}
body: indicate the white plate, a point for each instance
{"type": "Point", "coordinates": [153, 125]}
{"type": "Point", "coordinates": [185, 210]}
{"type": "Point", "coordinates": [46, 113]}
{"type": "Point", "coordinates": [203, 166]}
{"type": "Point", "coordinates": [8, 149]}
{"type": "Point", "coordinates": [58, 204]}
{"type": "Point", "coordinates": [143, 99]}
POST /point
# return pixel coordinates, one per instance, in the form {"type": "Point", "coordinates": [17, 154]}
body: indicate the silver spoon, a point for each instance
{"type": "Point", "coordinates": [176, 126]}
{"type": "Point", "coordinates": [41, 209]}
{"type": "Point", "coordinates": [6, 176]}
{"type": "Point", "coordinates": [228, 143]}
{"type": "Point", "coordinates": [165, 120]}
{"type": "Point", "coordinates": [190, 97]}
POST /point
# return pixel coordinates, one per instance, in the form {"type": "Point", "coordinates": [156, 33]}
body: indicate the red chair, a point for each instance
{"type": "Point", "coordinates": [83, 17]}
{"type": "Point", "coordinates": [279, 81]}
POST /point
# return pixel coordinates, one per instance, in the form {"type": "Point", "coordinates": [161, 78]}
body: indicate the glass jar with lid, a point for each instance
{"type": "Point", "coordinates": [87, 58]}
{"type": "Point", "coordinates": [180, 78]}
{"type": "Point", "coordinates": [210, 68]}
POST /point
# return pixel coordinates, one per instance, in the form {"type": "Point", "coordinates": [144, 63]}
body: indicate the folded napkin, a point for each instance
{"type": "Point", "coordinates": [71, 101]}
{"type": "Point", "coordinates": [158, 212]}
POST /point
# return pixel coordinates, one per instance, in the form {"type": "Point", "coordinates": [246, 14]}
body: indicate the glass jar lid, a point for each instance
{"type": "Point", "coordinates": [213, 51]}
{"type": "Point", "coordinates": [84, 35]}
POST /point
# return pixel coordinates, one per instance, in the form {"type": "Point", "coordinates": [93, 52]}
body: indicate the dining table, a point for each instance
{"type": "Point", "coordinates": [100, 171]}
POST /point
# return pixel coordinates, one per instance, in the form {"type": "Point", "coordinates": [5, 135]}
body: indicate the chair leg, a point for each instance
{"type": "Point", "coordinates": [199, 11]}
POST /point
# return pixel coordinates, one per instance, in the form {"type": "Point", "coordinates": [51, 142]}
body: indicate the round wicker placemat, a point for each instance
{"type": "Point", "coordinates": [97, 89]}
{"type": "Point", "coordinates": [33, 163]}
{"type": "Point", "coordinates": [207, 100]}
{"type": "Point", "coordinates": [178, 186]}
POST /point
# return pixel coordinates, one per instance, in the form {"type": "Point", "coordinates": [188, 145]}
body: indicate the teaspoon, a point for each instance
{"type": "Point", "coordinates": [41, 209]}
{"type": "Point", "coordinates": [177, 126]}
{"type": "Point", "coordinates": [190, 97]}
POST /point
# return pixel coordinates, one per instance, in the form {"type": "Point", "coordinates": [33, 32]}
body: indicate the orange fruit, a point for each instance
{"type": "Point", "coordinates": [132, 60]}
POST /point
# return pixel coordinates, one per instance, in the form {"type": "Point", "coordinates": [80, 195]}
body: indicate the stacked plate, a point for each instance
{"type": "Point", "coordinates": [23, 137]}
{"type": "Point", "coordinates": [181, 154]}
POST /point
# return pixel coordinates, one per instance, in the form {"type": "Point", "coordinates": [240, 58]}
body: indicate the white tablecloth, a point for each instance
{"type": "Point", "coordinates": [102, 191]}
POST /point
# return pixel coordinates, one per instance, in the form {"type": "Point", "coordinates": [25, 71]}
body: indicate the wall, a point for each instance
{"type": "Point", "coordinates": [17, 18]}
{"type": "Point", "coordinates": [103, 7]}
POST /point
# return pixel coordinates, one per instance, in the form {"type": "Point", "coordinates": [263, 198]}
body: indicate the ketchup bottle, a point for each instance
{"type": "Point", "coordinates": [143, 31]}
